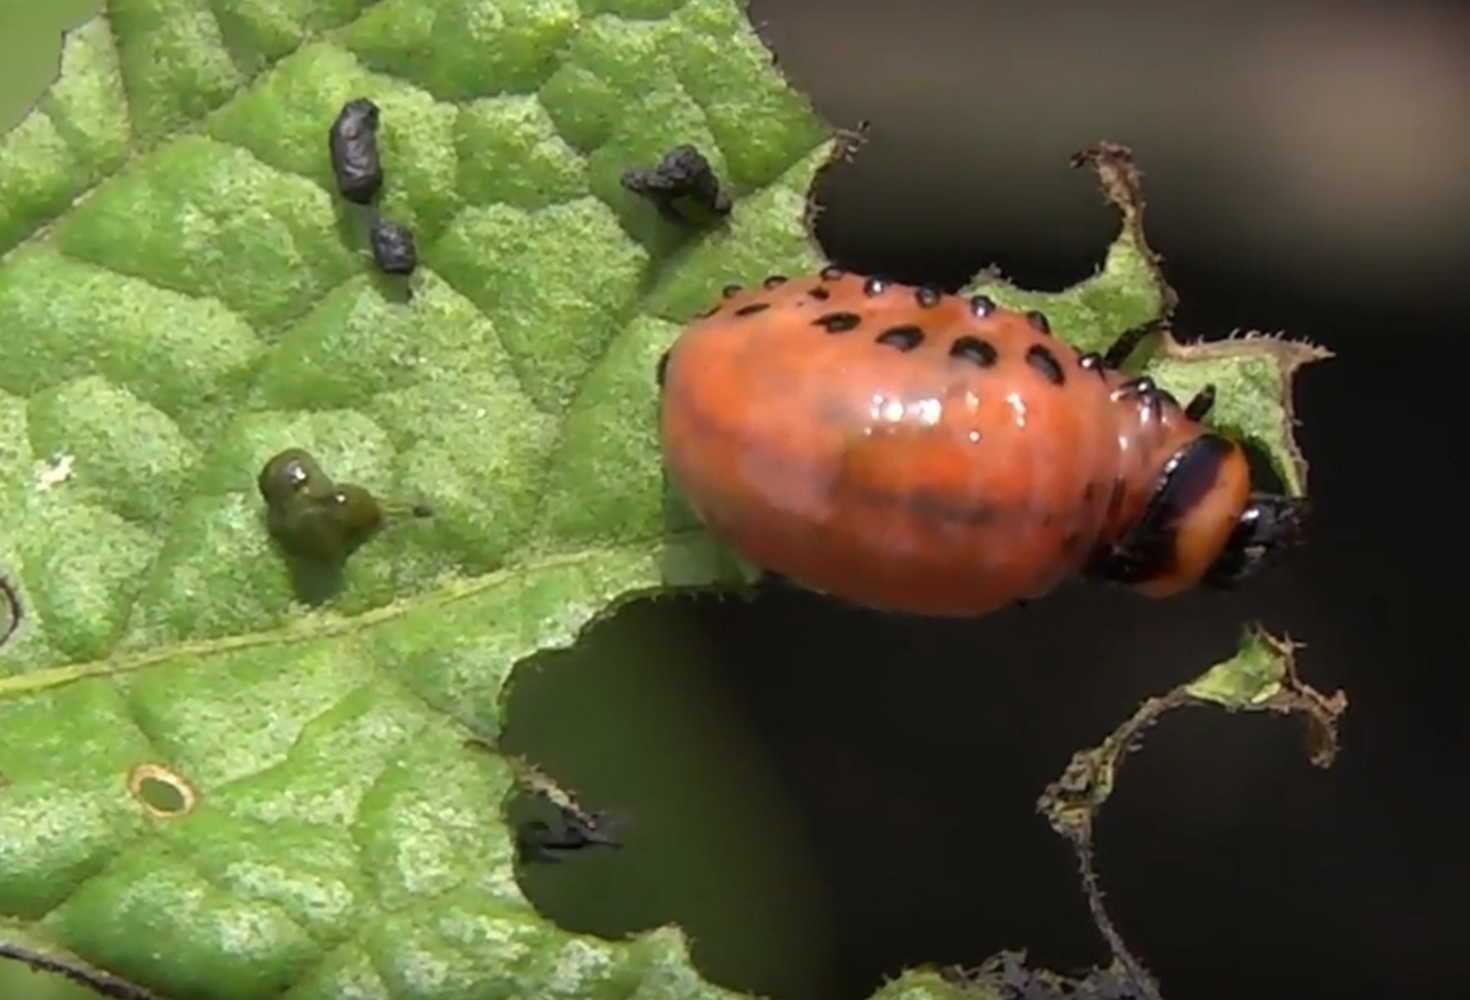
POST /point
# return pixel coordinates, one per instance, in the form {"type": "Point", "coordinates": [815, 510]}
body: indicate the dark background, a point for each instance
{"type": "Point", "coordinates": [823, 795]}
{"type": "Point", "coordinates": [1306, 171]}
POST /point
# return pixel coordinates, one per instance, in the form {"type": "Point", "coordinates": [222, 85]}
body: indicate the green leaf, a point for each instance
{"type": "Point", "coordinates": [297, 794]}
{"type": "Point", "coordinates": [282, 799]}
{"type": "Point", "coordinates": [1252, 375]}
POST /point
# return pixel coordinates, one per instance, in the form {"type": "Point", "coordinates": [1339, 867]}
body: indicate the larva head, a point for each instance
{"type": "Point", "coordinates": [1270, 524]}
{"type": "Point", "coordinates": [1201, 523]}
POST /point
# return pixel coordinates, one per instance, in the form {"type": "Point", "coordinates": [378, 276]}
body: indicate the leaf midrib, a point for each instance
{"type": "Point", "coordinates": [325, 625]}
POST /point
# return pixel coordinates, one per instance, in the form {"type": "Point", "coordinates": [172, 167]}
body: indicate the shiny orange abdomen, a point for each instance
{"type": "Point", "coordinates": [904, 449]}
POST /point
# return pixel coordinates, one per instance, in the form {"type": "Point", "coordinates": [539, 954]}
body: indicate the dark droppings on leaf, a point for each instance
{"type": "Point", "coordinates": [353, 142]}
{"type": "Point", "coordinates": [315, 518]}
{"type": "Point", "coordinates": [683, 173]}
{"type": "Point", "coordinates": [318, 523]}
{"type": "Point", "coordinates": [288, 474]}
{"type": "Point", "coordinates": [393, 247]}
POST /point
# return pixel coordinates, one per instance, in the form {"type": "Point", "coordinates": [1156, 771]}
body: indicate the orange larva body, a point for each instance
{"type": "Point", "coordinates": [926, 453]}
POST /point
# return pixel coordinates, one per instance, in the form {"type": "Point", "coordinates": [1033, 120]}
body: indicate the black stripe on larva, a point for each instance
{"type": "Point", "coordinates": [662, 370]}
{"type": "Point", "coordinates": [927, 298]}
{"type": "Point", "coordinates": [974, 350]}
{"type": "Point", "coordinates": [730, 290]}
{"type": "Point", "coordinates": [353, 143]}
{"type": "Point", "coordinates": [1148, 550]}
{"type": "Point", "coordinates": [774, 281]}
{"type": "Point", "coordinates": [905, 338]}
{"type": "Point", "coordinates": [832, 273]}
{"type": "Point", "coordinates": [752, 309]}
{"type": "Point", "coordinates": [838, 322]}
{"type": "Point", "coordinates": [1046, 362]}
{"type": "Point", "coordinates": [875, 286]}
{"type": "Point", "coordinates": [820, 294]}
{"type": "Point", "coordinates": [981, 306]}
{"type": "Point", "coordinates": [1038, 319]}
{"type": "Point", "coordinates": [707, 313]}
{"type": "Point", "coordinates": [1092, 362]}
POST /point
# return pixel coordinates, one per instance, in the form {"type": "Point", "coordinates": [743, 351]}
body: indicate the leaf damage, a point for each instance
{"type": "Point", "coordinates": [1261, 677]}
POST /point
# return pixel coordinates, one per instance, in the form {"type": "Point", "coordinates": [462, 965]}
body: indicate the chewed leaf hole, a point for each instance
{"type": "Point", "coordinates": [162, 792]}
{"type": "Point", "coordinates": [660, 757]}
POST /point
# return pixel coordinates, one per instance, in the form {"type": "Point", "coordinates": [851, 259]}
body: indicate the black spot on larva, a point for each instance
{"type": "Point", "coordinates": [706, 314]}
{"type": "Point", "coordinates": [1127, 341]}
{"type": "Point", "coordinates": [1092, 362]}
{"type": "Point", "coordinates": [1046, 362]}
{"type": "Point", "coordinates": [875, 286]}
{"type": "Point", "coordinates": [774, 281]}
{"type": "Point", "coordinates": [661, 372]}
{"type": "Point", "coordinates": [831, 273]}
{"type": "Point", "coordinates": [975, 350]}
{"type": "Point", "coordinates": [1089, 492]}
{"type": "Point", "coordinates": [1200, 404]}
{"type": "Point", "coordinates": [1140, 387]}
{"type": "Point", "coordinates": [353, 143]}
{"type": "Point", "coordinates": [1072, 543]}
{"type": "Point", "coordinates": [752, 309]}
{"type": "Point", "coordinates": [1038, 319]}
{"type": "Point", "coordinates": [730, 290]}
{"type": "Point", "coordinates": [905, 338]}
{"type": "Point", "coordinates": [981, 306]}
{"type": "Point", "coordinates": [1144, 391]}
{"type": "Point", "coordinates": [927, 298]}
{"type": "Point", "coordinates": [838, 322]}
{"type": "Point", "coordinates": [820, 294]}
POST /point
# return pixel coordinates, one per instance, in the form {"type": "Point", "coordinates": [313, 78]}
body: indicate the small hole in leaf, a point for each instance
{"type": "Point", "coordinates": [162, 792]}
